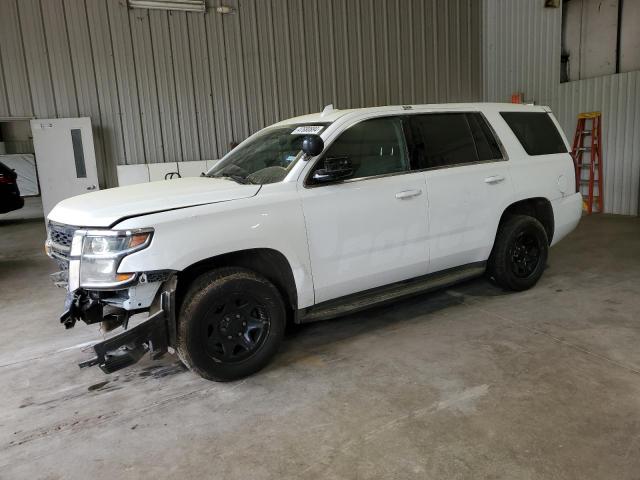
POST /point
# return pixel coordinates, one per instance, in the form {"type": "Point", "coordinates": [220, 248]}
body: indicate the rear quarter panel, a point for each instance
{"type": "Point", "coordinates": [547, 176]}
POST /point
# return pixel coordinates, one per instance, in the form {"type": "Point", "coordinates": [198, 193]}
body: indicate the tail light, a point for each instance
{"type": "Point", "coordinates": [6, 180]}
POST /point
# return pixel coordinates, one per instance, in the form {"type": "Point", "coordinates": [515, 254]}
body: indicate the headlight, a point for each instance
{"type": "Point", "coordinates": [100, 253]}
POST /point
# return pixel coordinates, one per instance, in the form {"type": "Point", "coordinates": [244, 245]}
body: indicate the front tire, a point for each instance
{"type": "Point", "coordinates": [519, 254]}
{"type": "Point", "coordinates": [231, 324]}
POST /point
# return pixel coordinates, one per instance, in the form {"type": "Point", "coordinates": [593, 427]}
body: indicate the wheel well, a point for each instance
{"type": "Point", "coordinates": [538, 208]}
{"type": "Point", "coordinates": [269, 263]}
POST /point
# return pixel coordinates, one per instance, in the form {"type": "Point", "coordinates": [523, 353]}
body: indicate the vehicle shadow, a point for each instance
{"type": "Point", "coordinates": [19, 221]}
{"type": "Point", "coordinates": [313, 336]}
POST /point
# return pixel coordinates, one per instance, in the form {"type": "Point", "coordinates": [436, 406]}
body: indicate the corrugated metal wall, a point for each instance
{"type": "Point", "coordinates": [173, 86]}
{"type": "Point", "coordinates": [521, 45]}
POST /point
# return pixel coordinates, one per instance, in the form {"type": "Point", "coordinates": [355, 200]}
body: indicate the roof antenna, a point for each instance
{"type": "Point", "coordinates": [327, 110]}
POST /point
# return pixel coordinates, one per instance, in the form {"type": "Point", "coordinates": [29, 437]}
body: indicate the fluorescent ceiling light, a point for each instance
{"type": "Point", "coordinates": [184, 5]}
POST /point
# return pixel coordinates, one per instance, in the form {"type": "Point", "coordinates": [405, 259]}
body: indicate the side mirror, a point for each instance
{"type": "Point", "coordinates": [335, 168]}
{"type": "Point", "coordinates": [312, 145]}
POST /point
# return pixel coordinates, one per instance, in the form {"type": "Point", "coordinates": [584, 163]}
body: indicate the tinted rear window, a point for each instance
{"type": "Point", "coordinates": [536, 132]}
{"type": "Point", "coordinates": [439, 140]}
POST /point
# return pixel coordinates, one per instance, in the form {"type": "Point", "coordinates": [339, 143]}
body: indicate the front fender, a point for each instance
{"type": "Point", "coordinates": [273, 219]}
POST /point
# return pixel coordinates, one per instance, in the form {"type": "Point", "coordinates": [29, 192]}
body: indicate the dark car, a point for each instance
{"type": "Point", "coordinates": [10, 198]}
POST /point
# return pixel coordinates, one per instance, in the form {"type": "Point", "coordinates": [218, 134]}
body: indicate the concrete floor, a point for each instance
{"type": "Point", "coordinates": [470, 382]}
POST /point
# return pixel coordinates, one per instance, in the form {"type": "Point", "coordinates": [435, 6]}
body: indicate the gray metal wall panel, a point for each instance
{"type": "Point", "coordinates": [380, 35]}
{"type": "Point", "coordinates": [166, 86]}
{"type": "Point", "coordinates": [444, 54]}
{"type": "Point", "coordinates": [183, 74]}
{"type": "Point", "coordinates": [268, 67]}
{"type": "Point", "coordinates": [232, 28]}
{"type": "Point", "coordinates": [341, 54]}
{"type": "Point", "coordinates": [202, 82]}
{"type": "Point", "coordinates": [128, 94]}
{"type": "Point", "coordinates": [84, 77]}
{"type": "Point", "coordinates": [251, 65]}
{"type": "Point", "coordinates": [4, 100]}
{"type": "Point", "coordinates": [16, 80]}
{"type": "Point", "coordinates": [355, 56]}
{"type": "Point", "coordinates": [300, 77]}
{"type": "Point", "coordinates": [283, 60]}
{"type": "Point", "coordinates": [37, 60]}
{"type": "Point", "coordinates": [57, 40]}
{"type": "Point", "coordinates": [314, 42]}
{"type": "Point", "coordinates": [219, 82]}
{"type": "Point", "coordinates": [174, 86]}
{"type": "Point", "coordinates": [147, 85]}
{"type": "Point", "coordinates": [86, 84]}
{"type": "Point", "coordinates": [521, 47]}
{"type": "Point", "coordinates": [429, 36]}
{"type": "Point", "coordinates": [106, 87]}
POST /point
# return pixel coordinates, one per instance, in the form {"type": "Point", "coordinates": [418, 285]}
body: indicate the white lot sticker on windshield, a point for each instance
{"type": "Point", "coordinates": [307, 129]}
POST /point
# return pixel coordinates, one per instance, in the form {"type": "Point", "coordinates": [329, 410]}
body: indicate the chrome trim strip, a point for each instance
{"type": "Point", "coordinates": [58, 247]}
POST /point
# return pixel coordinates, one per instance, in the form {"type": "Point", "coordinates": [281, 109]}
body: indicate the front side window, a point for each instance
{"type": "Point", "coordinates": [267, 157]}
{"type": "Point", "coordinates": [370, 148]}
{"type": "Point", "coordinates": [536, 132]}
{"type": "Point", "coordinates": [440, 140]}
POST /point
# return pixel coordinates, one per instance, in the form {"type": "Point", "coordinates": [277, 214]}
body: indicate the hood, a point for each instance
{"type": "Point", "coordinates": [106, 207]}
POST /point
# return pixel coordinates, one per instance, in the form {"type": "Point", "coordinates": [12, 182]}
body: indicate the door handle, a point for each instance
{"type": "Point", "coordinates": [91, 187]}
{"type": "Point", "coordinates": [408, 194]}
{"type": "Point", "coordinates": [494, 179]}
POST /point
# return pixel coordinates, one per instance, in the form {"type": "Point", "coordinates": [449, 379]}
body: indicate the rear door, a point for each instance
{"type": "Point", "coordinates": [468, 184]}
{"type": "Point", "coordinates": [65, 158]}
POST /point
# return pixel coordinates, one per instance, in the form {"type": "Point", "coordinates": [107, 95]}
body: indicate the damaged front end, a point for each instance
{"type": "Point", "coordinates": [155, 334]}
{"type": "Point", "coordinates": [142, 303]}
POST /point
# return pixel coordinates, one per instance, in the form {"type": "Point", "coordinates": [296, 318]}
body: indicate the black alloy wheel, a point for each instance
{"type": "Point", "coordinates": [235, 328]}
{"type": "Point", "coordinates": [525, 254]}
{"type": "Point", "coordinates": [231, 323]}
{"type": "Point", "coordinates": [519, 254]}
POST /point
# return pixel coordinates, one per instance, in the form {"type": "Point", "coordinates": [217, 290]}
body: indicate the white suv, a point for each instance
{"type": "Point", "coordinates": [311, 218]}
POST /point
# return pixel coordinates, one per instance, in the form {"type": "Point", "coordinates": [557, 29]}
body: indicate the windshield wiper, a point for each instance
{"type": "Point", "coordinates": [235, 177]}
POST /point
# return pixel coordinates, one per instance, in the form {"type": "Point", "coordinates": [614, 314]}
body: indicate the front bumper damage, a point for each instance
{"type": "Point", "coordinates": [155, 334]}
{"type": "Point", "coordinates": [114, 305]}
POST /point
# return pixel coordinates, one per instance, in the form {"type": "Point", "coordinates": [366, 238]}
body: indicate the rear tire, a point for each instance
{"type": "Point", "coordinates": [519, 253]}
{"type": "Point", "coordinates": [231, 324]}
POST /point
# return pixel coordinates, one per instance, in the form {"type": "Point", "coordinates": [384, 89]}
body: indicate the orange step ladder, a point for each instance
{"type": "Point", "coordinates": [589, 170]}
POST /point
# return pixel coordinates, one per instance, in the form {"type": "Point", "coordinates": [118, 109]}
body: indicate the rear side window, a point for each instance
{"type": "Point", "coordinates": [439, 140]}
{"type": "Point", "coordinates": [536, 132]}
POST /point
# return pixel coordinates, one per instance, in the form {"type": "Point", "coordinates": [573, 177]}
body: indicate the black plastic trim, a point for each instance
{"type": "Point", "coordinates": [358, 301]}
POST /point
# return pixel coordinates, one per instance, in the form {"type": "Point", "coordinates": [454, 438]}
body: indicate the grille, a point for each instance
{"type": "Point", "coordinates": [61, 235]}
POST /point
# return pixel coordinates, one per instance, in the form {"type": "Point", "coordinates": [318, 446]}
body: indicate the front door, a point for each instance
{"type": "Point", "coordinates": [369, 229]}
{"type": "Point", "coordinates": [65, 158]}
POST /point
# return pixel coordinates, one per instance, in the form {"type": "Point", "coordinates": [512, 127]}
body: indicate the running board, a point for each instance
{"type": "Point", "coordinates": [389, 293]}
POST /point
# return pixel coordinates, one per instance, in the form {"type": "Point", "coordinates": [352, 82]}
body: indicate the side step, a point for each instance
{"type": "Point", "coordinates": [381, 295]}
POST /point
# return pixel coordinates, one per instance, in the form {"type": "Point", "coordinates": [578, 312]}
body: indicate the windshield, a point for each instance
{"type": "Point", "coordinates": [267, 157]}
